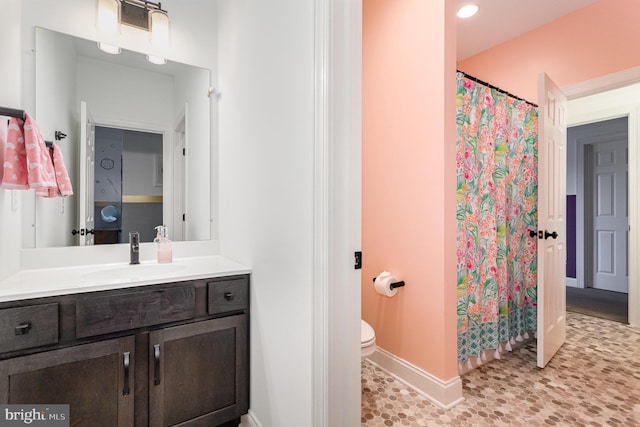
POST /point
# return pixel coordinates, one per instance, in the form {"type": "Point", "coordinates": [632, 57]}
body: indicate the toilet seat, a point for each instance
{"type": "Point", "coordinates": [367, 339]}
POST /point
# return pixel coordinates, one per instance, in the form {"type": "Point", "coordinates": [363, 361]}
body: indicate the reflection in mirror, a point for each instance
{"type": "Point", "coordinates": [127, 185]}
{"type": "Point", "coordinates": [138, 144]}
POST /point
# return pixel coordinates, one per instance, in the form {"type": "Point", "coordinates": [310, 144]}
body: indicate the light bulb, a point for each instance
{"type": "Point", "coordinates": [467, 11]}
{"type": "Point", "coordinates": [109, 48]}
{"type": "Point", "coordinates": [108, 17]}
{"type": "Point", "coordinates": [159, 25]}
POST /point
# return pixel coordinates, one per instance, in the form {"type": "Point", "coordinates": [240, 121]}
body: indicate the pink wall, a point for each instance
{"type": "Point", "coordinates": [408, 154]}
{"type": "Point", "coordinates": [599, 39]}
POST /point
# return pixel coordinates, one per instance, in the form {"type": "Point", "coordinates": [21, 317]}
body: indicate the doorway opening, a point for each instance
{"type": "Point", "coordinates": [597, 219]}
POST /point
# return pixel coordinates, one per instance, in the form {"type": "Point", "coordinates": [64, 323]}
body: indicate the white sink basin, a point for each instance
{"type": "Point", "coordinates": [135, 272]}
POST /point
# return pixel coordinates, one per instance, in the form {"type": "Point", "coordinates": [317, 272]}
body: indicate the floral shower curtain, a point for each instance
{"type": "Point", "coordinates": [496, 208]}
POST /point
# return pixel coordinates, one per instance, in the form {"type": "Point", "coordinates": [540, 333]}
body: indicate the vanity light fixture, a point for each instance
{"type": "Point", "coordinates": [467, 11]}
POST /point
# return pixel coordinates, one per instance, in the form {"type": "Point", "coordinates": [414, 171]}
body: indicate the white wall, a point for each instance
{"type": "Point", "coordinates": [572, 162]}
{"type": "Point", "coordinates": [138, 163]}
{"type": "Point", "coordinates": [10, 84]}
{"type": "Point", "coordinates": [266, 192]}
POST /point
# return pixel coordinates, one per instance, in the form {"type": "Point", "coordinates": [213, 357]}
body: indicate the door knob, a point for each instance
{"type": "Point", "coordinates": [553, 235]}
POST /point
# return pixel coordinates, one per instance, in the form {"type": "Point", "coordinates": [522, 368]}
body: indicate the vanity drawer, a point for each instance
{"type": "Point", "coordinates": [102, 314]}
{"type": "Point", "coordinates": [228, 295]}
{"type": "Point", "coordinates": [31, 326]}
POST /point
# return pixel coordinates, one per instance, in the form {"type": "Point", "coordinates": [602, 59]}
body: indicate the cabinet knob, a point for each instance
{"type": "Point", "coordinates": [229, 296]}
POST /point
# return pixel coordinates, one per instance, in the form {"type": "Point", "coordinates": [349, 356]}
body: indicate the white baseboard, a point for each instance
{"type": "Point", "coordinates": [249, 420]}
{"type": "Point", "coordinates": [445, 394]}
{"type": "Point", "coordinates": [572, 282]}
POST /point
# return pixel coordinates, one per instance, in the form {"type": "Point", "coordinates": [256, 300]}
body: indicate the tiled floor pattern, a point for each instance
{"type": "Point", "coordinates": [594, 380]}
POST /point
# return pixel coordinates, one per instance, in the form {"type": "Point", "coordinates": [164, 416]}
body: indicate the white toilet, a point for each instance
{"type": "Point", "coordinates": [367, 339]}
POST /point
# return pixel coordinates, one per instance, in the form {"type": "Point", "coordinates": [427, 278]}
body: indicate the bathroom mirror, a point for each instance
{"type": "Point", "coordinates": [101, 101]}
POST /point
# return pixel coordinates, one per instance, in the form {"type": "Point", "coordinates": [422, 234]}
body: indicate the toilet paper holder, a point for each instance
{"type": "Point", "coordinates": [393, 285]}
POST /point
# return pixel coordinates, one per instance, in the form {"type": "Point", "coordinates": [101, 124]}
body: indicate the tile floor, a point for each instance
{"type": "Point", "coordinates": [594, 380]}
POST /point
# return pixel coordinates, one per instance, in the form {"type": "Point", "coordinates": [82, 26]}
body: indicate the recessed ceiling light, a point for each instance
{"type": "Point", "coordinates": [467, 11]}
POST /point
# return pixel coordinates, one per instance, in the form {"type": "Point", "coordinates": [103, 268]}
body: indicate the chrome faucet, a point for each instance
{"type": "Point", "coordinates": [134, 247]}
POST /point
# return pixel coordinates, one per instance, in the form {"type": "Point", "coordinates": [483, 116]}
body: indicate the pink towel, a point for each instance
{"type": "Point", "coordinates": [39, 163]}
{"type": "Point", "coordinates": [28, 163]}
{"type": "Point", "coordinates": [14, 174]}
{"type": "Point", "coordinates": [63, 182]}
{"type": "Point", "coordinates": [4, 124]}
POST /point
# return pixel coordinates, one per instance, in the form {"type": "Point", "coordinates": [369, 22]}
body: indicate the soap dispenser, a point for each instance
{"type": "Point", "coordinates": [165, 252]}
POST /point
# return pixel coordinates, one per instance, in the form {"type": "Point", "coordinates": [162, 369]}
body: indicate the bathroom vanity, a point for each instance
{"type": "Point", "coordinates": [158, 346]}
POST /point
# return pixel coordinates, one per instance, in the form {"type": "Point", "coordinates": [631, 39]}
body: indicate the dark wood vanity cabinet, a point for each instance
{"type": "Point", "coordinates": [94, 379]}
{"type": "Point", "coordinates": [159, 355]}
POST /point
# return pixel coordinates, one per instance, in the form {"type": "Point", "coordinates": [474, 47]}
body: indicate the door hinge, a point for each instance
{"type": "Point", "coordinates": [184, 151]}
{"type": "Point", "coordinates": [358, 259]}
{"type": "Point", "coordinates": [183, 217]}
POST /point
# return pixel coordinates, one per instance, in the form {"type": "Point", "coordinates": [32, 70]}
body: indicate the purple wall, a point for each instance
{"type": "Point", "coordinates": [571, 236]}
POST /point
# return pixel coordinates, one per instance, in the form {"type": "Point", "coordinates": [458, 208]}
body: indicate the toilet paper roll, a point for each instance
{"type": "Point", "coordinates": [383, 284]}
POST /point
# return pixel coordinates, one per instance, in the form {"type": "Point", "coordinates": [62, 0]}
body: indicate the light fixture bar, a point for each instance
{"type": "Point", "coordinates": [135, 13]}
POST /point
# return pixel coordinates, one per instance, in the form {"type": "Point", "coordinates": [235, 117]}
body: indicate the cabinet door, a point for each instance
{"type": "Point", "coordinates": [198, 373]}
{"type": "Point", "coordinates": [95, 380]}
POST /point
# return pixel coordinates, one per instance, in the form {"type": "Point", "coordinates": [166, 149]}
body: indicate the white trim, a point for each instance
{"type": "Point", "coordinates": [321, 329]}
{"type": "Point", "coordinates": [582, 263]}
{"type": "Point", "coordinates": [249, 420]}
{"type": "Point", "coordinates": [571, 282]}
{"type": "Point", "coordinates": [340, 176]}
{"type": "Point", "coordinates": [603, 83]}
{"type": "Point", "coordinates": [444, 394]}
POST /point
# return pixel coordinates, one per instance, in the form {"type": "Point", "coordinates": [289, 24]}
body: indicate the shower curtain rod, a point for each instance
{"type": "Point", "coordinates": [477, 80]}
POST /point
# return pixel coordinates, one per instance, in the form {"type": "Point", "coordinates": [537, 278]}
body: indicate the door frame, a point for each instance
{"type": "Point", "coordinates": [167, 133]}
{"type": "Point", "coordinates": [601, 99]}
{"type": "Point", "coordinates": [337, 194]}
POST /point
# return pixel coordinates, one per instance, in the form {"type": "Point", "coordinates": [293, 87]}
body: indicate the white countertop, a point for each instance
{"type": "Point", "coordinates": [43, 282]}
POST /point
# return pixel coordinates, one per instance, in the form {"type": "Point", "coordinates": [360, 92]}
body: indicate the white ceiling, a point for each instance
{"type": "Point", "coordinates": [500, 20]}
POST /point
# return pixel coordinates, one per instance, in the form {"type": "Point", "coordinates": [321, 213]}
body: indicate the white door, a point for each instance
{"type": "Point", "coordinates": [552, 160]}
{"type": "Point", "coordinates": [611, 217]}
{"type": "Point", "coordinates": [87, 160]}
{"type": "Point", "coordinates": [179, 180]}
